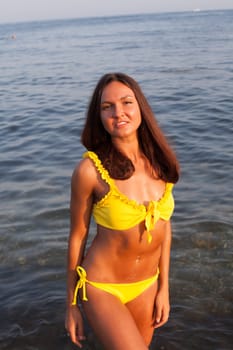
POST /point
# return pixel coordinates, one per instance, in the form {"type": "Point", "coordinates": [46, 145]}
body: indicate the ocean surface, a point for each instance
{"type": "Point", "coordinates": [183, 62]}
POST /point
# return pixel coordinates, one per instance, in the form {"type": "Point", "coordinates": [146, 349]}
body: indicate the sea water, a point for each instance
{"type": "Point", "coordinates": [183, 62]}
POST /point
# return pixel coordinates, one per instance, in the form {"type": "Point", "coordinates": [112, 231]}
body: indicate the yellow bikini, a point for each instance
{"type": "Point", "coordinates": [117, 212]}
{"type": "Point", "coordinates": [125, 292]}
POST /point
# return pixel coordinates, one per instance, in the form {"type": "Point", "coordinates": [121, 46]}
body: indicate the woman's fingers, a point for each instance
{"type": "Point", "coordinates": [161, 317]}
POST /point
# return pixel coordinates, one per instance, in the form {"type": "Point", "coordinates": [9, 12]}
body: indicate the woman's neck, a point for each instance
{"type": "Point", "coordinates": [130, 148]}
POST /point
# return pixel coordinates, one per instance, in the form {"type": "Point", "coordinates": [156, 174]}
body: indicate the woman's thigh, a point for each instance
{"type": "Point", "coordinates": [142, 310]}
{"type": "Point", "coordinates": [112, 321]}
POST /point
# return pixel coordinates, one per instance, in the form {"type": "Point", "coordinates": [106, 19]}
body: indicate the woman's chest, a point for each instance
{"type": "Point", "coordinates": [142, 188]}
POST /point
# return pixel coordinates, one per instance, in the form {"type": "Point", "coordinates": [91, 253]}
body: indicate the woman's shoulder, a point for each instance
{"type": "Point", "coordinates": [84, 173]}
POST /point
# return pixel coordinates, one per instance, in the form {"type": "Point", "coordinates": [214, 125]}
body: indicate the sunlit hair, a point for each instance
{"type": "Point", "coordinates": [151, 139]}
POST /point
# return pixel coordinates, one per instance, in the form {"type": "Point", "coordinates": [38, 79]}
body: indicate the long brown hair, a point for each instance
{"type": "Point", "coordinates": [152, 141]}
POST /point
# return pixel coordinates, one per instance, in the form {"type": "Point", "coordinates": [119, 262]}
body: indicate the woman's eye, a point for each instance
{"type": "Point", "coordinates": [105, 107]}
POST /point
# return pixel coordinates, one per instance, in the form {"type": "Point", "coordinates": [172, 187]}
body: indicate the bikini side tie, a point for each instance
{"type": "Point", "coordinates": [80, 284]}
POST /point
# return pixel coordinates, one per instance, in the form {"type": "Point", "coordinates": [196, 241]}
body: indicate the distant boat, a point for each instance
{"type": "Point", "coordinates": [196, 10]}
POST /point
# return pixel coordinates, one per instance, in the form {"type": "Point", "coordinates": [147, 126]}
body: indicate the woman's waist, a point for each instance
{"type": "Point", "coordinates": [115, 268]}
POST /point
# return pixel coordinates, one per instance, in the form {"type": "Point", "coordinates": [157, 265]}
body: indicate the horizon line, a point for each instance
{"type": "Point", "coordinates": [194, 11]}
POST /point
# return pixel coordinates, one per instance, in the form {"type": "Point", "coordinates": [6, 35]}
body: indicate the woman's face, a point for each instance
{"type": "Point", "coordinates": [119, 110]}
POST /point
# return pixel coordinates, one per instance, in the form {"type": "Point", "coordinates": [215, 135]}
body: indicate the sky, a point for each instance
{"type": "Point", "coordinates": [30, 10]}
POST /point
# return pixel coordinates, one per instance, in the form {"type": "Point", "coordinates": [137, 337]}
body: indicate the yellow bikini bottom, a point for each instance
{"type": "Point", "coordinates": [123, 291]}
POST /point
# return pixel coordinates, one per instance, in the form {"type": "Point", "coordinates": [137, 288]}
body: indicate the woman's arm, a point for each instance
{"type": "Point", "coordinates": [162, 304]}
{"type": "Point", "coordinates": [82, 187]}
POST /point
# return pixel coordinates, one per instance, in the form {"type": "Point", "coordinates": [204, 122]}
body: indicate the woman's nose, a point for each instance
{"type": "Point", "coordinates": [117, 111]}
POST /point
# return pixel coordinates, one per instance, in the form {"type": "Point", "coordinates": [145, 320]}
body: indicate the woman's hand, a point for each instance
{"type": "Point", "coordinates": [162, 308]}
{"type": "Point", "coordinates": [74, 325]}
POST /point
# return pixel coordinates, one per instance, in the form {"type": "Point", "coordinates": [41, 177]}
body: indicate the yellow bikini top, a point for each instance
{"type": "Point", "coordinates": [116, 211]}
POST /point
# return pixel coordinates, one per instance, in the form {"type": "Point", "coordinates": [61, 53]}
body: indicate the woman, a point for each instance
{"type": "Point", "coordinates": [125, 180]}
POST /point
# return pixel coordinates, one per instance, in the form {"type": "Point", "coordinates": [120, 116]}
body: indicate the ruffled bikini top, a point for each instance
{"type": "Point", "coordinates": [116, 211]}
